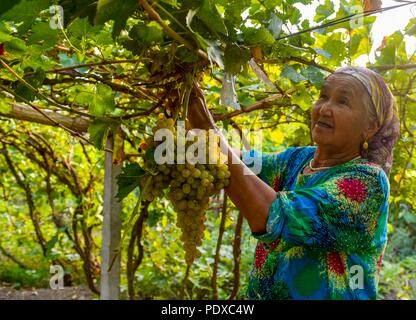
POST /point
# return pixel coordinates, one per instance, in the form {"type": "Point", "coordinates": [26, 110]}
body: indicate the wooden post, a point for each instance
{"type": "Point", "coordinates": [111, 232]}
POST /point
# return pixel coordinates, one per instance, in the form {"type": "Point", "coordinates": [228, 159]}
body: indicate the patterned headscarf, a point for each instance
{"type": "Point", "coordinates": [380, 146]}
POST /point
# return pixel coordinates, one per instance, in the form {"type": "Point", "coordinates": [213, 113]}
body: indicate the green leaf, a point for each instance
{"type": "Point", "coordinates": [67, 61]}
{"type": "Point", "coordinates": [295, 15]}
{"type": "Point", "coordinates": [116, 10]}
{"type": "Point", "coordinates": [4, 37]}
{"type": "Point", "coordinates": [173, 3]}
{"type": "Point", "coordinates": [51, 244]}
{"type": "Point", "coordinates": [258, 36]}
{"type": "Point", "coordinates": [98, 131]}
{"type": "Point", "coordinates": [103, 101]}
{"type": "Point", "coordinates": [234, 58]}
{"type": "Point", "coordinates": [129, 179]}
{"type": "Point", "coordinates": [314, 75]}
{"type": "Point", "coordinates": [209, 14]}
{"type": "Point", "coordinates": [7, 5]}
{"type": "Point", "coordinates": [35, 80]}
{"type": "Point", "coordinates": [411, 27]}
{"type": "Point", "coordinates": [275, 25]}
{"type": "Point", "coordinates": [150, 154]}
{"type": "Point", "coordinates": [26, 11]}
{"type": "Point", "coordinates": [147, 34]}
{"type": "Point", "coordinates": [80, 27]}
{"type": "Point", "coordinates": [322, 53]}
{"type": "Point", "coordinates": [186, 55]}
{"type": "Point", "coordinates": [332, 46]}
{"type": "Point", "coordinates": [4, 106]}
{"type": "Point", "coordinates": [44, 35]}
{"type": "Point", "coordinates": [323, 11]}
{"type": "Point", "coordinates": [16, 47]}
{"type": "Point", "coordinates": [390, 53]}
{"type": "Point", "coordinates": [290, 73]}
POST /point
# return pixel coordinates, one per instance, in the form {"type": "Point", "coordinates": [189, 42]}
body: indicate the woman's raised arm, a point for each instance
{"type": "Point", "coordinates": [252, 196]}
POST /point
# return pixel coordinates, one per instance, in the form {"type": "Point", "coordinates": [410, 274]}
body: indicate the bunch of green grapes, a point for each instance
{"type": "Point", "coordinates": [190, 187]}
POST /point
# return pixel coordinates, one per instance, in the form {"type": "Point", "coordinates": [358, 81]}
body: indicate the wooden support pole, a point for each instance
{"type": "Point", "coordinates": [111, 232]}
{"type": "Point", "coordinates": [21, 112]}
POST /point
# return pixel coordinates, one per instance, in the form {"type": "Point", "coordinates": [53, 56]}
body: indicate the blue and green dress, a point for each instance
{"type": "Point", "coordinates": [326, 232]}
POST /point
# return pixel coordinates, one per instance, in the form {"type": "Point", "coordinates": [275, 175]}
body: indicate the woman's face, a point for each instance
{"type": "Point", "coordinates": [339, 117]}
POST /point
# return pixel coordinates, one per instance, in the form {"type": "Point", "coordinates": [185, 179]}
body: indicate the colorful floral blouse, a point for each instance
{"type": "Point", "coordinates": [326, 232]}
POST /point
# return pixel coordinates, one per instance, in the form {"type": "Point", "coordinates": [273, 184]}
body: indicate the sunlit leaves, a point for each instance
{"type": "Point", "coordinates": [394, 49]}
{"type": "Point", "coordinates": [324, 10]}
{"type": "Point", "coordinates": [5, 107]}
{"type": "Point", "coordinates": [258, 36]}
{"type": "Point", "coordinates": [100, 101]}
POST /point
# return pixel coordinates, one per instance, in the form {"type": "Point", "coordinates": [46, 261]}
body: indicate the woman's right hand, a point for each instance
{"type": "Point", "coordinates": [198, 114]}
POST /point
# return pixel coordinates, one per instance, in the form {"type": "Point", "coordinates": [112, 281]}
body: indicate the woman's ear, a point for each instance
{"type": "Point", "coordinates": [372, 129]}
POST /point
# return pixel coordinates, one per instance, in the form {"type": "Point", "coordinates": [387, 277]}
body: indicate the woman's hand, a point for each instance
{"type": "Point", "coordinates": [198, 114]}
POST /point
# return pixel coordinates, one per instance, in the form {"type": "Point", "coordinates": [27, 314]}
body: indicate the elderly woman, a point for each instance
{"type": "Point", "coordinates": [320, 213]}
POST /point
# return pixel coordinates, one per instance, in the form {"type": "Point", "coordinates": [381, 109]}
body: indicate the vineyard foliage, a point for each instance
{"type": "Point", "coordinates": [87, 69]}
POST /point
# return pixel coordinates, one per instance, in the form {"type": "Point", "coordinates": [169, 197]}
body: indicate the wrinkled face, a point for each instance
{"type": "Point", "coordinates": [339, 117]}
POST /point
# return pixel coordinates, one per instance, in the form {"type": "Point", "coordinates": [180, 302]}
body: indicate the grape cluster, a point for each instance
{"type": "Point", "coordinates": [189, 188]}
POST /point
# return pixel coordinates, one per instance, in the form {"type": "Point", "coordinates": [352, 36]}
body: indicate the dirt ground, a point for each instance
{"type": "Point", "coordinates": [70, 293]}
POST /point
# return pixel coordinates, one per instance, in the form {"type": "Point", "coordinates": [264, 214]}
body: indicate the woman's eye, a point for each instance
{"type": "Point", "coordinates": [343, 102]}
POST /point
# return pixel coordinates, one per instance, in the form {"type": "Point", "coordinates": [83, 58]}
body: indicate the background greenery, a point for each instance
{"type": "Point", "coordinates": [116, 64]}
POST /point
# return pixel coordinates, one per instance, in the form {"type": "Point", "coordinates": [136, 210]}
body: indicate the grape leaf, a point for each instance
{"type": "Point", "coordinates": [323, 11]}
{"type": "Point", "coordinates": [234, 58]}
{"type": "Point", "coordinates": [147, 34]}
{"type": "Point", "coordinates": [35, 80]}
{"type": "Point", "coordinates": [314, 75]}
{"type": "Point", "coordinates": [258, 36]}
{"type": "Point", "coordinates": [26, 11]}
{"type": "Point", "coordinates": [290, 73]}
{"type": "Point", "coordinates": [101, 102]}
{"type": "Point", "coordinates": [275, 25]}
{"type": "Point", "coordinates": [209, 14]}
{"type": "Point", "coordinates": [42, 33]}
{"type": "Point", "coordinates": [116, 10]}
{"type": "Point", "coordinates": [98, 131]}
{"type": "Point", "coordinates": [129, 179]}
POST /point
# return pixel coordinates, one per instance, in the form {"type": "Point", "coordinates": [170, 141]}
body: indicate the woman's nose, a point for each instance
{"type": "Point", "coordinates": [326, 109]}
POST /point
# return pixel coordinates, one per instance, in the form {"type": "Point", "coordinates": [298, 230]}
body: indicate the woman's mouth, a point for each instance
{"type": "Point", "coordinates": [323, 125]}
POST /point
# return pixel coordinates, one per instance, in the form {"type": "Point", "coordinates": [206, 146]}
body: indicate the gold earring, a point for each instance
{"type": "Point", "coordinates": [365, 144]}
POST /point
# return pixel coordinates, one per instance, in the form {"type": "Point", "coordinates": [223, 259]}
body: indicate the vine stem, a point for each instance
{"type": "Point", "coordinates": [237, 255]}
{"type": "Point", "coordinates": [172, 33]}
{"type": "Point", "coordinates": [131, 222]}
{"type": "Point", "coordinates": [27, 84]}
{"type": "Point", "coordinates": [185, 278]}
{"type": "Point", "coordinates": [56, 123]}
{"type": "Point", "coordinates": [218, 248]}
